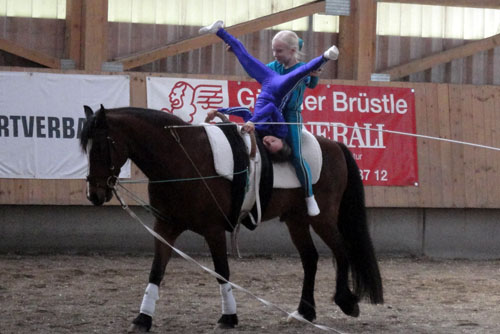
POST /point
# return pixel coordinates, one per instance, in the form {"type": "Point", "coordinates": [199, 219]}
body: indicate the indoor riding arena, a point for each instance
{"type": "Point", "coordinates": [123, 209]}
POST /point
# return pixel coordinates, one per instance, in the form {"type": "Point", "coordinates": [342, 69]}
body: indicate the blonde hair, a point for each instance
{"type": "Point", "coordinates": [292, 40]}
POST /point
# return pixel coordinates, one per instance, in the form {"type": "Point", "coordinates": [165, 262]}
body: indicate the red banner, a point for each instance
{"type": "Point", "coordinates": [359, 117]}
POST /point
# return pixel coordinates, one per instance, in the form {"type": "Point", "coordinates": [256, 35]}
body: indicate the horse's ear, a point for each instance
{"type": "Point", "coordinates": [101, 117]}
{"type": "Point", "coordinates": [88, 111]}
{"type": "Point", "coordinates": [102, 107]}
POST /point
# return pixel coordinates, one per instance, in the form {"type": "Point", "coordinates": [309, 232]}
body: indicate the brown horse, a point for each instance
{"type": "Point", "coordinates": [111, 136]}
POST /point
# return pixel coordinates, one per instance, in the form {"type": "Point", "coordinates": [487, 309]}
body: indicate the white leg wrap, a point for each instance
{"type": "Point", "coordinates": [312, 206]}
{"type": "Point", "coordinates": [228, 302]}
{"type": "Point", "coordinates": [149, 300]}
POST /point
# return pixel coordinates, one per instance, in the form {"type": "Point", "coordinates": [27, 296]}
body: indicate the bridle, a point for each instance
{"type": "Point", "coordinates": [112, 178]}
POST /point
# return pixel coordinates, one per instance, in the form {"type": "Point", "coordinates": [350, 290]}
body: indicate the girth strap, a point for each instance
{"type": "Point", "coordinates": [241, 162]}
{"type": "Point", "coordinates": [265, 188]}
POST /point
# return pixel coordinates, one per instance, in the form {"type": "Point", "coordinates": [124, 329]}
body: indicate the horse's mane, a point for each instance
{"type": "Point", "coordinates": [98, 120]}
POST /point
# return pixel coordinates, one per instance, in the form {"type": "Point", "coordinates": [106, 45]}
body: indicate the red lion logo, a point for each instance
{"type": "Point", "coordinates": [186, 100]}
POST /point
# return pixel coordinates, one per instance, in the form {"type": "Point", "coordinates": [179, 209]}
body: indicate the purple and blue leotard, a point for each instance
{"type": "Point", "coordinates": [273, 98]}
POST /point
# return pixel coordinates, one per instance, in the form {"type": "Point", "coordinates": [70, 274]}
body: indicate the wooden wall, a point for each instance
{"type": "Point", "coordinates": [43, 35]}
{"type": "Point", "coordinates": [483, 68]}
{"type": "Point", "coordinates": [450, 175]}
{"type": "Point", "coordinates": [48, 36]}
{"type": "Point", "coordinates": [129, 38]}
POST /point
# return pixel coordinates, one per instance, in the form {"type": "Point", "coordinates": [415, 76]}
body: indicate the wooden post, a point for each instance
{"type": "Point", "coordinates": [94, 34]}
{"type": "Point", "coordinates": [357, 38]}
{"type": "Point", "coordinates": [73, 37]}
{"type": "Point", "coordinates": [347, 45]}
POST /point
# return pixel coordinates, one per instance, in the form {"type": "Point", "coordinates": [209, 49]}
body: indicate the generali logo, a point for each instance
{"type": "Point", "coordinates": [191, 102]}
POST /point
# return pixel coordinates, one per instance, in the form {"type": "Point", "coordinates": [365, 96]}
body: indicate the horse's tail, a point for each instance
{"type": "Point", "coordinates": [354, 229]}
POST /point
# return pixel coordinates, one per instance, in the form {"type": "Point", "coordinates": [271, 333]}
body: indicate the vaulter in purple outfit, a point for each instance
{"type": "Point", "coordinates": [275, 87]}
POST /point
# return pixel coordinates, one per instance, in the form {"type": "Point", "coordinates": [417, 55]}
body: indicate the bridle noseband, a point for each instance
{"type": "Point", "coordinates": [112, 179]}
{"type": "Point", "coordinates": [96, 181]}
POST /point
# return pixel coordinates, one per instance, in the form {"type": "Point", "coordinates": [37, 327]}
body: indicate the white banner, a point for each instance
{"type": "Point", "coordinates": [189, 99]}
{"type": "Point", "coordinates": [41, 116]}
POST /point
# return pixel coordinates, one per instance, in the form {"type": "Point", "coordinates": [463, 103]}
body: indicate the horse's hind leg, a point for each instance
{"type": "Point", "coordinates": [163, 252]}
{"type": "Point", "coordinates": [216, 240]}
{"type": "Point", "coordinates": [301, 237]}
{"type": "Point", "coordinates": [343, 297]}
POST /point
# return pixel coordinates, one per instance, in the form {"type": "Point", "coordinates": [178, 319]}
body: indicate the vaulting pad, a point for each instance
{"type": "Point", "coordinates": [284, 172]}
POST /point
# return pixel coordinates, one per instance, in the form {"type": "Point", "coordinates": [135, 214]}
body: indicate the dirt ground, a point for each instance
{"type": "Point", "coordinates": [102, 294]}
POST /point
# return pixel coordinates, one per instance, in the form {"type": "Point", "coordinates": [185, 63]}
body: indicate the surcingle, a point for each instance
{"type": "Point", "coordinates": [251, 195]}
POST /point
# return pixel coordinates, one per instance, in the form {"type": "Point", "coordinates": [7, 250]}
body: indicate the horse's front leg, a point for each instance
{"type": "Point", "coordinates": [163, 252]}
{"type": "Point", "coordinates": [301, 237]}
{"type": "Point", "coordinates": [216, 241]}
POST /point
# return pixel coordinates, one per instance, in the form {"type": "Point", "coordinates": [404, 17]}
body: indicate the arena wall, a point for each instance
{"type": "Point", "coordinates": [453, 212]}
{"type": "Point", "coordinates": [451, 175]}
{"type": "Point", "coordinates": [429, 232]}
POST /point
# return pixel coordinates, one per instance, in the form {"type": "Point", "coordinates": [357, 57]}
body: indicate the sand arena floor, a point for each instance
{"type": "Point", "coordinates": [102, 294]}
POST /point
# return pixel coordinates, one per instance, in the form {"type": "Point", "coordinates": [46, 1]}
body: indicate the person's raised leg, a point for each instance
{"type": "Point", "coordinates": [289, 81]}
{"type": "Point", "coordinates": [254, 67]}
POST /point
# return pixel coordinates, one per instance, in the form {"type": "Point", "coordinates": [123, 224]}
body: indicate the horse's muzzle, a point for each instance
{"type": "Point", "coordinates": [98, 196]}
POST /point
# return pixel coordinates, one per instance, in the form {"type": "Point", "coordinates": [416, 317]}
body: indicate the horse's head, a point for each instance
{"type": "Point", "coordinates": [105, 156]}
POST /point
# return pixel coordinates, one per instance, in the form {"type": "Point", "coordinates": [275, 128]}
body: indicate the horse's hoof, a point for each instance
{"type": "Point", "coordinates": [307, 312]}
{"type": "Point", "coordinates": [349, 307]}
{"type": "Point", "coordinates": [136, 329]}
{"type": "Point", "coordinates": [225, 326]}
{"type": "Point", "coordinates": [141, 324]}
{"type": "Point", "coordinates": [355, 311]}
{"type": "Point", "coordinates": [295, 316]}
{"type": "Point", "coordinates": [227, 321]}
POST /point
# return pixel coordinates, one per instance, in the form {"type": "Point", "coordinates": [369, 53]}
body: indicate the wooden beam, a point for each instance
{"type": "Point", "coordinates": [197, 42]}
{"type": "Point", "coordinates": [443, 57]}
{"type": "Point", "coordinates": [357, 38]}
{"type": "Point", "coordinates": [73, 35]}
{"type": "Point", "coordinates": [95, 32]}
{"type": "Point", "coordinates": [347, 45]}
{"type": "Point", "coordinates": [32, 55]}
{"type": "Point", "coordinates": [366, 30]}
{"type": "Point", "coordinates": [452, 3]}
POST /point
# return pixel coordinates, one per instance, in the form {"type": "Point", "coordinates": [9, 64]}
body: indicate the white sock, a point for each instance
{"type": "Point", "coordinates": [312, 206]}
{"type": "Point", "coordinates": [228, 302]}
{"type": "Point", "coordinates": [149, 300]}
{"type": "Point", "coordinates": [332, 53]}
{"type": "Point", "coordinates": [211, 29]}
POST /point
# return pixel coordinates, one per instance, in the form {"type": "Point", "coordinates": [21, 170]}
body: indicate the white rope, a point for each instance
{"type": "Point", "coordinates": [361, 128]}
{"type": "Point", "coordinates": [294, 315]}
{"type": "Point", "coordinates": [425, 136]}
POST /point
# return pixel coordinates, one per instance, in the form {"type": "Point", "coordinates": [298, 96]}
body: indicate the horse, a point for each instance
{"type": "Point", "coordinates": [164, 147]}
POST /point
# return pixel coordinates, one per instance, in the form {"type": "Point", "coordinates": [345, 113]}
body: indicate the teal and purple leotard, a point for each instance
{"type": "Point", "coordinates": [275, 93]}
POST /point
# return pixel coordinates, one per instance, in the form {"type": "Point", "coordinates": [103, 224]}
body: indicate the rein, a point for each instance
{"type": "Point", "coordinates": [174, 134]}
{"type": "Point", "coordinates": [293, 315]}
{"type": "Point", "coordinates": [253, 150]}
{"type": "Point", "coordinates": [187, 179]}
{"type": "Point", "coordinates": [112, 182]}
